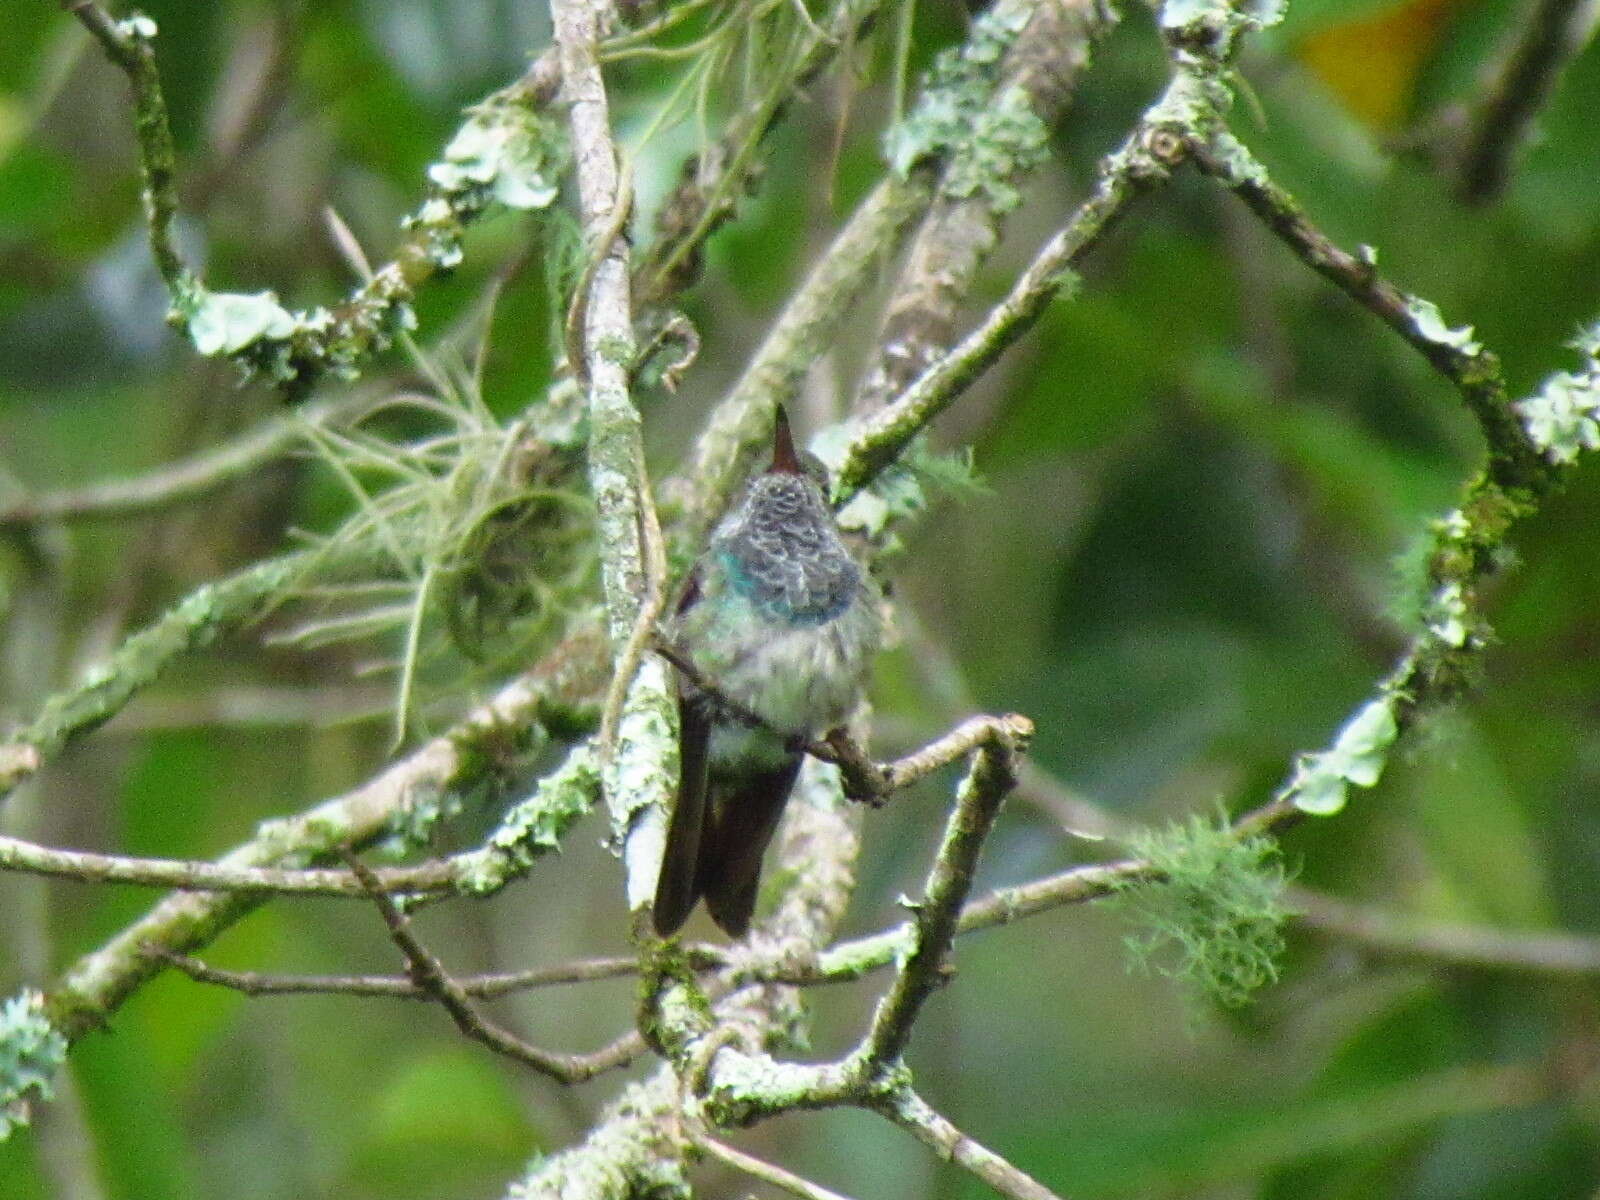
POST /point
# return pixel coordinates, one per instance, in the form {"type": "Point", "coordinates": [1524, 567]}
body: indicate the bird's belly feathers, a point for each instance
{"type": "Point", "coordinates": [799, 678]}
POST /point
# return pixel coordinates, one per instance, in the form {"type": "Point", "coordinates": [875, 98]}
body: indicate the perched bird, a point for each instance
{"type": "Point", "coordinates": [779, 624]}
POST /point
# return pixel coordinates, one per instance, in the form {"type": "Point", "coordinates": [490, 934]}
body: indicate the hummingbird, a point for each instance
{"type": "Point", "coordinates": [779, 623]}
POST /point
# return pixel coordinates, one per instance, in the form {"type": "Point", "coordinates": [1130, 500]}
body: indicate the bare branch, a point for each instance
{"type": "Point", "coordinates": [482, 987]}
{"type": "Point", "coordinates": [1553, 34]}
{"type": "Point", "coordinates": [1454, 945]}
{"type": "Point", "coordinates": [428, 973]}
{"type": "Point", "coordinates": [1454, 353]}
{"type": "Point", "coordinates": [179, 482]}
{"type": "Point", "coordinates": [758, 1168]}
{"type": "Point", "coordinates": [913, 1114]}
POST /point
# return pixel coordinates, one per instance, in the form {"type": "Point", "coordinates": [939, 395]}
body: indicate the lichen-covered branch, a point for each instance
{"type": "Point", "coordinates": [1514, 462]}
{"type": "Point", "coordinates": [505, 153]}
{"type": "Point", "coordinates": [998, 136]}
{"type": "Point", "coordinates": [404, 799]}
{"type": "Point", "coordinates": [1038, 70]}
{"type": "Point", "coordinates": [141, 659]}
{"type": "Point", "coordinates": [640, 754]}
{"type": "Point", "coordinates": [128, 44]}
{"type": "Point", "coordinates": [1144, 159]}
{"type": "Point", "coordinates": [528, 831]}
{"type": "Point", "coordinates": [934, 920]}
{"type": "Point", "coordinates": [1558, 421]}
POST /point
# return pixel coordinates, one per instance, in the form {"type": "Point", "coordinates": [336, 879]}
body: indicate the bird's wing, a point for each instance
{"type": "Point", "coordinates": [677, 886]}
{"type": "Point", "coordinates": [739, 826]}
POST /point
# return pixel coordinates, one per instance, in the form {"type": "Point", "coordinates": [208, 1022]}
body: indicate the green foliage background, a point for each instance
{"type": "Point", "coordinates": [1206, 471]}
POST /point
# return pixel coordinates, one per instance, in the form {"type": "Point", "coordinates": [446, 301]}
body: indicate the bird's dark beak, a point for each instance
{"type": "Point", "coordinates": [783, 455]}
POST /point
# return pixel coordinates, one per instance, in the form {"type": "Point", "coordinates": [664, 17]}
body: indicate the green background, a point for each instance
{"type": "Point", "coordinates": [1205, 474]}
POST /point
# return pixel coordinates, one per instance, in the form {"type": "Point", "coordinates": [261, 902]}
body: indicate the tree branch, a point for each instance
{"type": "Point", "coordinates": [1144, 159]}
{"type": "Point", "coordinates": [429, 974]}
{"type": "Point", "coordinates": [934, 922]}
{"type": "Point", "coordinates": [482, 987]}
{"type": "Point", "coordinates": [128, 45]}
{"type": "Point", "coordinates": [758, 1168]}
{"type": "Point", "coordinates": [640, 756]}
{"type": "Point", "coordinates": [1555, 33]}
{"type": "Point", "coordinates": [402, 797]}
{"type": "Point", "coordinates": [179, 482]}
{"type": "Point", "coordinates": [1514, 462]}
{"type": "Point", "coordinates": [912, 1113]}
{"type": "Point", "coordinates": [1451, 944]}
{"type": "Point", "coordinates": [1042, 65]}
{"type": "Point", "coordinates": [141, 658]}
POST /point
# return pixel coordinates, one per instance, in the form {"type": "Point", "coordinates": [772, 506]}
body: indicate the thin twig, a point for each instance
{"type": "Point", "coordinates": [127, 44]}
{"type": "Point", "coordinates": [429, 974]}
{"type": "Point", "coordinates": [179, 482]}
{"type": "Point", "coordinates": [482, 987]}
{"type": "Point", "coordinates": [759, 1168]}
{"type": "Point", "coordinates": [1513, 460]}
{"type": "Point", "coordinates": [1552, 36]}
{"type": "Point", "coordinates": [1534, 952]}
{"type": "Point", "coordinates": [912, 1113]}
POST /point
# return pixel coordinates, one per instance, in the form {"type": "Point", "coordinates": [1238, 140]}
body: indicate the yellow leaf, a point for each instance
{"type": "Point", "coordinates": [1372, 64]}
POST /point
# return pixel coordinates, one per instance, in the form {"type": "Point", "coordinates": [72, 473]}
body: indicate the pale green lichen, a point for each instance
{"type": "Point", "coordinates": [1563, 417]}
{"type": "Point", "coordinates": [138, 27]}
{"type": "Point", "coordinates": [987, 140]}
{"type": "Point", "coordinates": [535, 826]}
{"type": "Point", "coordinates": [31, 1052]}
{"type": "Point", "coordinates": [227, 322]}
{"type": "Point", "coordinates": [1587, 342]}
{"type": "Point", "coordinates": [1321, 782]}
{"type": "Point", "coordinates": [1447, 617]}
{"type": "Point", "coordinates": [505, 152]}
{"type": "Point", "coordinates": [1224, 15]}
{"type": "Point", "coordinates": [1431, 324]}
{"type": "Point", "coordinates": [632, 1153]}
{"type": "Point", "coordinates": [1213, 914]}
{"type": "Point", "coordinates": [1453, 524]}
{"type": "Point", "coordinates": [901, 491]}
{"type": "Point", "coordinates": [642, 777]}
